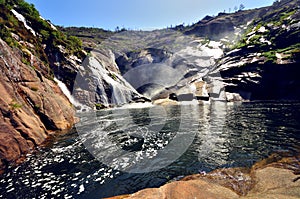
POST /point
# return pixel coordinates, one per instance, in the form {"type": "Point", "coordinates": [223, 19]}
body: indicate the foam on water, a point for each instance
{"type": "Point", "coordinates": [67, 170]}
{"type": "Point", "coordinates": [136, 105]}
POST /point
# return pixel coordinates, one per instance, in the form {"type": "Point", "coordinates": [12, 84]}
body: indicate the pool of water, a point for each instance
{"type": "Point", "coordinates": [121, 151]}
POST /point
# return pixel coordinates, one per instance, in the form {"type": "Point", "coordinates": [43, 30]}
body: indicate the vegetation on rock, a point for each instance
{"type": "Point", "coordinates": [31, 104]}
{"type": "Point", "coordinates": [46, 39]}
{"type": "Point", "coordinates": [277, 31]}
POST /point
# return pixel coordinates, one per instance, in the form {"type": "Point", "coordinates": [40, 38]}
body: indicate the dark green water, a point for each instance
{"type": "Point", "coordinates": [214, 136]}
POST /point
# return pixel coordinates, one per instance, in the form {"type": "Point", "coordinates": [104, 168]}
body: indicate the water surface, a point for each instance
{"type": "Point", "coordinates": [223, 135]}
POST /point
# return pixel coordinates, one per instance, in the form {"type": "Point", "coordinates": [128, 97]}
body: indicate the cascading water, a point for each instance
{"type": "Point", "coordinates": [102, 85]}
{"type": "Point", "coordinates": [68, 94]}
{"type": "Point", "coordinates": [157, 70]}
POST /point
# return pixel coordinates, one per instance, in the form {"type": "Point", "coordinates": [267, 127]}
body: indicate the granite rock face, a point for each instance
{"type": "Point", "coordinates": [223, 25]}
{"type": "Point", "coordinates": [264, 63]}
{"type": "Point", "coordinates": [251, 78]}
{"type": "Point", "coordinates": [99, 83]}
{"type": "Point", "coordinates": [32, 107]}
{"type": "Point", "coordinates": [246, 55]}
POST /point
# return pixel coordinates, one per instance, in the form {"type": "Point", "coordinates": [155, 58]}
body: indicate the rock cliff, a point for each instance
{"type": "Point", "coordinates": [263, 64]}
{"type": "Point", "coordinates": [40, 67]}
{"type": "Point", "coordinates": [32, 107]}
{"type": "Point", "coordinates": [99, 83]}
{"type": "Point", "coordinates": [246, 55]}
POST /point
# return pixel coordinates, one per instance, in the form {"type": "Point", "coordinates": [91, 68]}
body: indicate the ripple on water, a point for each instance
{"type": "Point", "coordinates": [238, 135]}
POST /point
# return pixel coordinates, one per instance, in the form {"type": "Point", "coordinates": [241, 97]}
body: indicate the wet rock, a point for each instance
{"type": "Point", "coordinates": [265, 65]}
{"type": "Point", "coordinates": [100, 82]}
{"type": "Point", "coordinates": [131, 60]}
{"type": "Point", "coordinates": [165, 102]}
{"type": "Point", "coordinates": [247, 80]}
{"type": "Point", "coordinates": [237, 179]}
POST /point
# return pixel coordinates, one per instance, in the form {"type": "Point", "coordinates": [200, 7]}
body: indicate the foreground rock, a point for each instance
{"type": "Point", "coordinates": [32, 107]}
{"type": "Point", "coordinates": [275, 177]}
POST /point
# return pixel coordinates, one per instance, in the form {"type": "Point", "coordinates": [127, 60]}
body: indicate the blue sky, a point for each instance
{"type": "Point", "coordinates": [135, 14]}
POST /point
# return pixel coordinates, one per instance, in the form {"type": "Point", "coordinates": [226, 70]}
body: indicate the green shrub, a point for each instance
{"type": "Point", "coordinates": [99, 106]}
{"type": "Point", "coordinates": [45, 34]}
{"type": "Point", "coordinates": [271, 56]}
{"type": "Point", "coordinates": [15, 105]}
{"type": "Point", "coordinates": [28, 9]}
{"type": "Point", "coordinates": [5, 34]}
{"type": "Point", "coordinates": [25, 61]}
{"type": "Point", "coordinates": [12, 19]}
{"type": "Point", "coordinates": [113, 76]}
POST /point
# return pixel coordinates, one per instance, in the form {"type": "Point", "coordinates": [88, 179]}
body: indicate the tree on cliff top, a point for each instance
{"type": "Point", "coordinates": [242, 7]}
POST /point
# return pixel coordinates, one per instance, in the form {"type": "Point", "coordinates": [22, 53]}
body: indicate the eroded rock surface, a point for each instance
{"type": "Point", "coordinates": [274, 177]}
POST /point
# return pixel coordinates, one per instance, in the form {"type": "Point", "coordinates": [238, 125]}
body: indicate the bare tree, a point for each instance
{"type": "Point", "coordinates": [242, 7]}
{"type": "Point", "coordinates": [235, 8]}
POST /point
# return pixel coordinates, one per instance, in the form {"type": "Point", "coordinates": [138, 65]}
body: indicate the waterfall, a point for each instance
{"type": "Point", "coordinates": [118, 95]}
{"type": "Point", "coordinates": [113, 88]}
{"type": "Point", "coordinates": [204, 90]}
{"type": "Point", "coordinates": [68, 94]}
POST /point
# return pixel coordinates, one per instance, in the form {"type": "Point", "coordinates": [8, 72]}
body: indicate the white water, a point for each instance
{"type": "Point", "coordinates": [23, 20]}
{"type": "Point", "coordinates": [52, 26]}
{"type": "Point", "coordinates": [136, 105]}
{"type": "Point", "coordinates": [121, 90]}
{"type": "Point", "coordinates": [68, 94]}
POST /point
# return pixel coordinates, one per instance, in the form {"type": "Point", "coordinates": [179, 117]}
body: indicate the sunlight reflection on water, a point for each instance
{"type": "Point", "coordinates": [228, 135]}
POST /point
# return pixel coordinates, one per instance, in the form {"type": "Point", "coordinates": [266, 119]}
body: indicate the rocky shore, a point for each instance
{"type": "Point", "coordinates": [274, 177]}
{"type": "Point", "coordinates": [262, 65]}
